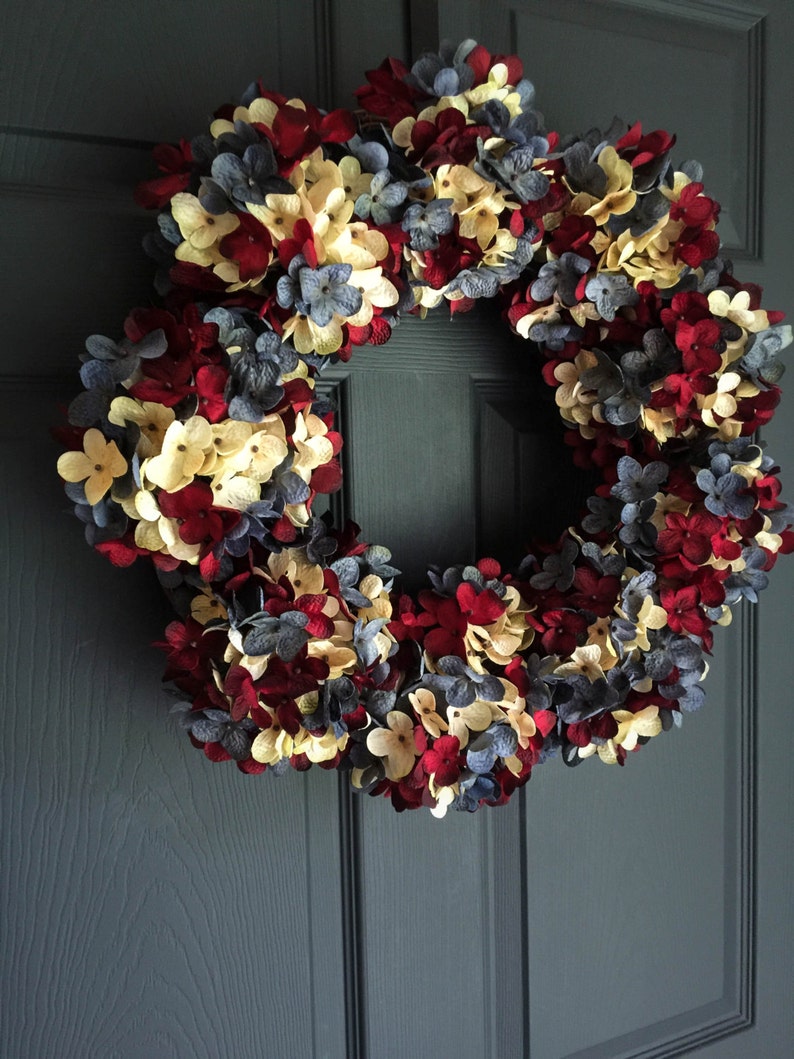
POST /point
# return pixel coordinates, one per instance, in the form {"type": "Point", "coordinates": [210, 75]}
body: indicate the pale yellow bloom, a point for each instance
{"type": "Point", "coordinates": [97, 465]}
{"type": "Point", "coordinates": [200, 228]}
{"type": "Point", "coordinates": [394, 744]}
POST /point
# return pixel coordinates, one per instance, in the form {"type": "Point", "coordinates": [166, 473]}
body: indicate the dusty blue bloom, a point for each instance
{"type": "Point", "coordinates": [445, 73]}
{"type": "Point", "coordinates": [560, 277]}
{"type": "Point", "coordinates": [425, 222]}
{"type": "Point", "coordinates": [749, 581]}
{"type": "Point", "coordinates": [760, 362]}
{"type": "Point", "coordinates": [554, 336]}
{"type": "Point", "coordinates": [285, 634]}
{"type": "Point", "coordinates": [319, 546]}
{"type": "Point", "coordinates": [250, 178]}
{"type": "Point", "coordinates": [606, 378]}
{"type": "Point", "coordinates": [364, 640]}
{"type": "Point", "coordinates": [475, 788]}
{"type": "Point", "coordinates": [578, 699]}
{"type": "Point", "coordinates": [382, 200]}
{"type": "Point", "coordinates": [217, 726]}
{"type": "Point", "coordinates": [637, 532]}
{"type": "Point", "coordinates": [637, 483]}
{"type": "Point", "coordinates": [254, 385]}
{"type": "Point", "coordinates": [337, 698]}
{"type": "Point", "coordinates": [725, 495]}
{"type": "Point", "coordinates": [462, 685]}
{"type": "Point", "coordinates": [498, 740]}
{"type": "Point", "coordinates": [608, 565]}
{"type": "Point", "coordinates": [647, 210]}
{"type": "Point", "coordinates": [558, 568]}
{"type": "Point", "coordinates": [514, 170]}
{"type": "Point", "coordinates": [284, 485]}
{"type": "Point", "coordinates": [604, 514]}
{"type": "Point", "coordinates": [636, 591]}
{"type": "Point", "coordinates": [254, 525]}
{"type": "Point", "coordinates": [483, 282]}
{"type": "Point", "coordinates": [608, 293]}
{"type": "Point", "coordinates": [325, 291]}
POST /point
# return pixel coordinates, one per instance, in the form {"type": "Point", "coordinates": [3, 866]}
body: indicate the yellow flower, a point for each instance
{"type": "Point", "coordinates": [278, 215]}
{"type": "Point", "coordinates": [152, 419]}
{"type": "Point", "coordinates": [206, 607]}
{"type": "Point", "coordinates": [273, 743]}
{"type": "Point", "coordinates": [475, 718]}
{"type": "Point", "coordinates": [394, 744]}
{"type": "Point", "coordinates": [631, 726]}
{"type": "Point", "coordinates": [737, 309]}
{"type": "Point", "coordinates": [97, 465]}
{"type": "Point", "coordinates": [262, 452]}
{"type": "Point", "coordinates": [424, 703]}
{"type": "Point", "coordinates": [618, 195]}
{"type": "Point", "coordinates": [585, 661]}
{"type": "Point", "coordinates": [306, 578]}
{"type": "Point", "coordinates": [186, 447]}
{"type": "Point", "coordinates": [200, 228]}
{"type": "Point", "coordinates": [313, 449]}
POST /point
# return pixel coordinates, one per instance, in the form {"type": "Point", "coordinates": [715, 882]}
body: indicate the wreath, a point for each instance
{"type": "Point", "coordinates": [286, 237]}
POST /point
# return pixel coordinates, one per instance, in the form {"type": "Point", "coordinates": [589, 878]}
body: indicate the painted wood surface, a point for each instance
{"type": "Point", "coordinates": [156, 905]}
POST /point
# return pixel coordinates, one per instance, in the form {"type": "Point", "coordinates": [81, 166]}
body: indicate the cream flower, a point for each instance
{"type": "Point", "coordinates": [186, 447]}
{"type": "Point", "coordinates": [462, 720]}
{"type": "Point", "coordinates": [424, 703]}
{"type": "Point", "coordinates": [151, 418]}
{"type": "Point", "coordinates": [394, 744]}
{"type": "Point", "coordinates": [200, 228]}
{"type": "Point", "coordinates": [98, 464]}
{"type": "Point", "coordinates": [618, 195]}
{"type": "Point", "coordinates": [631, 726]}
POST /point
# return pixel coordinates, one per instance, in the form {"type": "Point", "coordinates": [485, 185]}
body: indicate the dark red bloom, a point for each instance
{"type": "Point", "coordinates": [684, 613]}
{"type": "Point", "coordinates": [211, 382]}
{"type": "Point", "coordinates": [560, 630]}
{"type": "Point", "coordinates": [200, 522]}
{"type": "Point", "coordinates": [175, 162]}
{"type": "Point", "coordinates": [693, 208]}
{"type": "Point", "coordinates": [442, 760]}
{"type": "Point", "coordinates": [701, 344]}
{"type": "Point", "coordinates": [689, 536]}
{"type": "Point", "coordinates": [250, 245]}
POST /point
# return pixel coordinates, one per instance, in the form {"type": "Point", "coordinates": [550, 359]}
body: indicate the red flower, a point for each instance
{"type": "Point", "coordinates": [694, 209]}
{"type": "Point", "coordinates": [442, 760]}
{"type": "Point", "coordinates": [283, 681]}
{"type": "Point", "coordinates": [210, 385]}
{"type": "Point", "coordinates": [388, 95]}
{"type": "Point", "coordinates": [447, 140]}
{"type": "Point", "coordinates": [200, 522]}
{"type": "Point", "coordinates": [701, 344]}
{"type": "Point", "coordinates": [684, 613]}
{"type": "Point", "coordinates": [689, 536]}
{"type": "Point", "coordinates": [175, 162]}
{"type": "Point", "coordinates": [560, 630]}
{"type": "Point", "coordinates": [188, 648]}
{"type": "Point", "coordinates": [594, 593]}
{"type": "Point", "coordinates": [250, 246]}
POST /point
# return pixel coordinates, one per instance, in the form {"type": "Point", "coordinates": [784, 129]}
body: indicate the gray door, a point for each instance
{"type": "Point", "coordinates": [155, 905]}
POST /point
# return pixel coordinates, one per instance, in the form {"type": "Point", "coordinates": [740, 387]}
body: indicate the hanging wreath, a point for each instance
{"type": "Point", "coordinates": [287, 236]}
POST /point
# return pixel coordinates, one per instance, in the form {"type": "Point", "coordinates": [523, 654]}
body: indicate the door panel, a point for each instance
{"type": "Point", "coordinates": [158, 905]}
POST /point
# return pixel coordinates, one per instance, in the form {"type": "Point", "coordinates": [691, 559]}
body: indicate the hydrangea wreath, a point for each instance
{"type": "Point", "coordinates": [287, 236]}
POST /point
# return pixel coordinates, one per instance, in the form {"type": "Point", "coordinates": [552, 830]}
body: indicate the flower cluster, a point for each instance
{"type": "Point", "coordinates": [286, 237]}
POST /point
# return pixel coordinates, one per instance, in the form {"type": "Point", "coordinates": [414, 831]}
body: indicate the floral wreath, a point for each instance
{"type": "Point", "coordinates": [286, 237]}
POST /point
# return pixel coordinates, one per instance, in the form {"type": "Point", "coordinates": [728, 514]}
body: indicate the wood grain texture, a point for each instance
{"type": "Point", "coordinates": [153, 903]}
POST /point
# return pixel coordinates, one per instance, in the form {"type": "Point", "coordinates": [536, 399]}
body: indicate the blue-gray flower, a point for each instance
{"type": "Point", "coordinates": [325, 291]}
